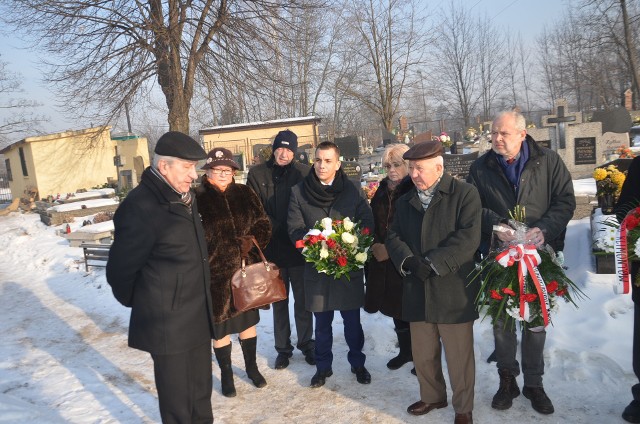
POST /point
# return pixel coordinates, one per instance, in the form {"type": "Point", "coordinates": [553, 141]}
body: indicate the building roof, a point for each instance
{"type": "Point", "coordinates": [259, 124]}
{"type": "Point", "coordinates": [54, 136]}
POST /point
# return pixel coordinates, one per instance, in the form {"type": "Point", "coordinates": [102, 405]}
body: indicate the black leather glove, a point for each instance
{"type": "Point", "coordinates": [418, 267]}
{"type": "Point", "coordinates": [246, 244]}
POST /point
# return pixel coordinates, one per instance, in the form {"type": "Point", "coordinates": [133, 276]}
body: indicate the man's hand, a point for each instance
{"type": "Point", "coordinates": [379, 252]}
{"type": "Point", "coordinates": [418, 267]}
{"type": "Point", "coordinates": [246, 243]}
{"type": "Point", "coordinates": [507, 234]}
{"type": "Point", "coordinates": [535, 236]}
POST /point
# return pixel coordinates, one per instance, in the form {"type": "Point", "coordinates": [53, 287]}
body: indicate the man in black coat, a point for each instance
{"type": "Point", "coordinates": [272, 181]}
{"type": "Point", "coordinates": [516, 171]}
{"type": "Point", "coordinates": [432, 240]}
{"type": "Point", "coordinates": [158, 266]}
{"type": "Point", "coordinates": [629, 199]}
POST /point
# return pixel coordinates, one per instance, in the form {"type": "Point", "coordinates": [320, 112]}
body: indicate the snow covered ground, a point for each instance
{"type": "Point", "coordinates": [64, 355]}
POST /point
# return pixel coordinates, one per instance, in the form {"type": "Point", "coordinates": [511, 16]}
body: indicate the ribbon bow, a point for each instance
{"type": "Point", "coordinates": [528, 260]}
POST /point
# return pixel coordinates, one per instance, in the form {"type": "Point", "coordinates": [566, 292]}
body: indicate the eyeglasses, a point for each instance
{"type": "Point", "coordinates": [222, 172]}
{"type": "Point", "coordinates": [392, 165]}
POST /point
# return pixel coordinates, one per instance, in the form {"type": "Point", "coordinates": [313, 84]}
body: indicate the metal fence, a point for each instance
{"type": "Point", "coordinates": [5, 192]}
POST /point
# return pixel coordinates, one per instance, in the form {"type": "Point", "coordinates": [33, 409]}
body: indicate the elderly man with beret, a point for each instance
{"type": "Point", "coordinates": [432, 241]}
{"type": "Point", "coordinates": [158, 266]}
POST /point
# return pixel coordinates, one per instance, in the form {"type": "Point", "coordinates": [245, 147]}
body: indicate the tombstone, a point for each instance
{"type": "Point", "coordinates": [617, 120]}
{"type": "Point", "coordinates": [561, 120]}
{"type": "Point", "coordinates": [388, 137]}
{"type": "Point", "coordinates": [458, 165]}
{"type": "Point", "coordinates": [628, 99]}
{"type": "Point", "coordinates": [422, 137]}
{"type": "Point", "coordinates": [349, 146]}
{"type": "Point", "coordinates": [353, 170]}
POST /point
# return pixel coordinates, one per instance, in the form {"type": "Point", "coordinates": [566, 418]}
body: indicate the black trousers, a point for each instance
{"type": "Point", "coordinates": [184, 385]}
{"type": "Point", "coordinates": [294, 281]}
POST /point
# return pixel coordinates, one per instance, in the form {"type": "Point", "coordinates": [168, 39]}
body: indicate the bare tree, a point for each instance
{"type": "Point", "coordinates": [18, 112]}
{"type": "Point", "coordinates": [103, 55]}
{"type": "Point", "coordinates": [388, 45]}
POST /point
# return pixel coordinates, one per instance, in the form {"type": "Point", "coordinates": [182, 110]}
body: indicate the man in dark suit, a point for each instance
{"type": "Point", "coordinates": [158, 266]}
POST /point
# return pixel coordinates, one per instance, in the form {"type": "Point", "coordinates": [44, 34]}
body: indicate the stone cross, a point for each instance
{"type": "Point", "coordinates": [561, 119]}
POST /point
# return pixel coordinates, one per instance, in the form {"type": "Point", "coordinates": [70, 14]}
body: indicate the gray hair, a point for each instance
{"type": "Point", "coordinates": [520, 121]}
{"type": "Point", "coordinates": [158, 158]}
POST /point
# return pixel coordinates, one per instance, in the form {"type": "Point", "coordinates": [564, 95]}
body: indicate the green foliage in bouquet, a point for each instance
{"type": "Point", "coordinates": [337, 247]}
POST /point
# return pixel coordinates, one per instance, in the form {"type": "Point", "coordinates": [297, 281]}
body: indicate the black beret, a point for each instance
{"type": "Point", "coordinates": [179, 145]}
{"type": "Point", "coordinates": [424, 150]}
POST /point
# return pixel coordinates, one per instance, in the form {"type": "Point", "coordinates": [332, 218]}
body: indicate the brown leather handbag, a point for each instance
{"type": "Point", "coordinates": [257, 285]}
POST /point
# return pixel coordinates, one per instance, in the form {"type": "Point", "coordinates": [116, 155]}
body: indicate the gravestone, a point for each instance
{"type": "Point", "coordinates": [458, 165]}
{"type": "Point", "coordinates": [353, 170]}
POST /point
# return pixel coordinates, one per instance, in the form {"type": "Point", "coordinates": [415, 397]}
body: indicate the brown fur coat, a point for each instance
{"type": "Point", "coordinates": [226, 215]}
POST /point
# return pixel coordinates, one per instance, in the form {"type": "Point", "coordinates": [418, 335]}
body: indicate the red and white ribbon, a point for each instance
{"type": "Point", "coordinates": [621, 257]}
{"type": "Point", "coordinates": [528, 260]}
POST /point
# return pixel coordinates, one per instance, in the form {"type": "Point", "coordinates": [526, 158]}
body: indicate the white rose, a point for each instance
{"type": "Point", "coordinates": [348, 224]}
{"type": "Point", "coordinates": [637, 249]}
{"type": "Point", "coordinates": [347, 238]}
{"type": "Point", "coordinates": [326, 224]}
{"type": "Point", "coordinates": [361, 257]}
{"type": "Point", "coordinates": [324, 253]}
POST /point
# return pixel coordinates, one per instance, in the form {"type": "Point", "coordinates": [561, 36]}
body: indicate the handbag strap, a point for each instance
{"type": "Point", "coordinates": [264, 260]}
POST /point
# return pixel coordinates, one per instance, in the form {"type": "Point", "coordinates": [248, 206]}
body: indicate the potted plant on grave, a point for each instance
{"type": "Point", "coordinates": [609, 182]}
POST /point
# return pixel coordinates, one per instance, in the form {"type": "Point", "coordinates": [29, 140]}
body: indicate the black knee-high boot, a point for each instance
{"type": "Point", "coordinates": [404, 341]}
{"type": "Point", "coordinates": [249, 353]}
{"type": "Point", "coordinates": [223, 355]}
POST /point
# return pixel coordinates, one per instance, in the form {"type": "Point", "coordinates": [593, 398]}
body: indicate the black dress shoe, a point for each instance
{"type": "Point", "coordinates": [310, 357]}
{"type": "Point", "coordinates": [421, 408]}
{"type": "Point", "coordinates": [320, 378]}
{"type": "Point", "coordinates": [282, 361]}
{"type": "Point", "coordinates": [362, 375]}
{"type": "Point", "coordinates": [539, 399]}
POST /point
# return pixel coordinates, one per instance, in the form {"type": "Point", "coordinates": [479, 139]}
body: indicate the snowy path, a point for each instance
{"type": "Point", "coordinates": [65, 359]}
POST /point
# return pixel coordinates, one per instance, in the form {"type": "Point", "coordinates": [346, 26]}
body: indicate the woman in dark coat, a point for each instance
{"type": "Point", "coordinates": [231, 215]}
{"type": "Point", "coordinates": [384, 283]}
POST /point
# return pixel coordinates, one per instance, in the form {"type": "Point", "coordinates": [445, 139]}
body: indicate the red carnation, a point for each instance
{"type": "Point", "coordinates": [331, 243]}
{"type": "Point", "coordinates": [495, 295]}
{"type": "Point", "coordinates": [562, 292]}
{"type": "Point", "coordinates": [632, 222]}
{"type": "Point", "coordinates": [314, 239]}
{"type": "Point", "coordinates": [508, 291]}
{"type": "Point", "coordinates": [341, 260]}
{"type": "Point", "coordinates": [552, 286]}
{"type": "Point", "coordinates": [366, 231]}
{"type": "Point", "coordinates": [529, 297]}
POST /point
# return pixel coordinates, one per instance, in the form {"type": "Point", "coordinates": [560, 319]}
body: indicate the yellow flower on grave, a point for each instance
{"type": "Point", "coordinates": [618, 178]}
{"type": "Point", "coordinates": [599, 174]}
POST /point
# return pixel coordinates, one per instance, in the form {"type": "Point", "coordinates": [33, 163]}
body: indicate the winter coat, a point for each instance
{"type": "Point", "coordinates": [273, 185]}
{"type": "Point", "coordinates": [448, 233]}
{"type": "Point", "coordinates": [323, 292]}
{"type": "Point", "coordinates": [158, 267]}
{"type": "Point", "coordinates": [384, 282]}
{"type": "Point", "coordinates": [227, 215]}
{"type": "Point", "coordinates": [546, 192]}
{"type": "Point", "coordinates": [630, 193]}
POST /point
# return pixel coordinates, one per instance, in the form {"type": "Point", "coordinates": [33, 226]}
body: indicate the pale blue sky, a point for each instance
{"type": "Point", "coordinates": [526, 16]}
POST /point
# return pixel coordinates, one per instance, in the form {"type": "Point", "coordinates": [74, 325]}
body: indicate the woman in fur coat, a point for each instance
{"type": "Point", "coordinates": [384, 283]}
{"type": "Point", "coordinates": [231, 215]}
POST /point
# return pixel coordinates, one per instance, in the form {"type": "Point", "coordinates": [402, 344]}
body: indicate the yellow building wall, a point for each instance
{"type": "Point", "coordinates": [243, 140]}
{"type": "Point", "coordinates": [135, 152]}
{"type": "Point", "coordinates": [63, 162]}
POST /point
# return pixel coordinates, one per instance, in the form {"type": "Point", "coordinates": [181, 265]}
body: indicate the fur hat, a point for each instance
{"type": "Point", "coordinates": [179, 145]}
{"type": "Point", "coordinates": [287, 139]}
{"type": "Point", "coordinates": [220, 156]}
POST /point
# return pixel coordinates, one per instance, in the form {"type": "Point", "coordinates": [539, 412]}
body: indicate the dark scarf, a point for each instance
{"type": "Point", "coordinates": [513, 171]}
{"type": "Point", "coordinates": [185, 198]}
{"type": "Point", "coordinates": [324, 195]}
{"type": "Point", "coordinates": [279, 172]}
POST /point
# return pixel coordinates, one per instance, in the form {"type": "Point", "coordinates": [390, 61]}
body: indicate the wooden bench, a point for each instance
{"type": "Point", "coordinates": [97, 253]}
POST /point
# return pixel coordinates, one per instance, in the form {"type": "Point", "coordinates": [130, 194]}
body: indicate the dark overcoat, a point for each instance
{"type": "Point", "coordinates": [323, 292]}
{"type": "Point", "coordinates": [227, 215]}
{"type": "Point", "coordinates": [546, 192]}
{"type": "Point", "coordinates": [384, 282]}
{"type": "Point", "coordinates": [273, 185]}
{"type": "Point", "coordinates": [448, 233]}
{"type": "Point", "coordinates": [158, 266]}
